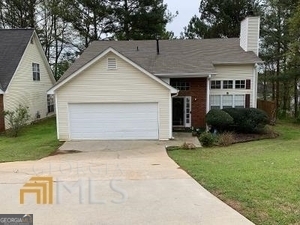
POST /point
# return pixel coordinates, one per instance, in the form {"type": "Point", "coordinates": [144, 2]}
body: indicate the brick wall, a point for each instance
{"type": "Point", "coordinates": [2, 126]}
{"type": "Point", "coordinates": [198, 93]}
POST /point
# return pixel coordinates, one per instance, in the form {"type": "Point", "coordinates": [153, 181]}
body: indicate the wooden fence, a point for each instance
{"type": "Point", "coordinates": [269, 107]}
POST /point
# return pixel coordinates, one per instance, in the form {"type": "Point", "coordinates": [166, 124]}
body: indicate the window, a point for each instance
{"type": "Point", "coordinates": [239, 101]}
{"type": "Point", "coordinates": [227, 84]}
{"type": "Point", "coordinates": [215, 101]}
{"type": "Point", "coordinates": [215, 84]}
{"type": "Point", "coordinates": [240, 84]}
{"type": "Point", "coordinates": [181, 85]}
{"type": "Point", "coordinates": [35, 71]}
{"type": "Point", "coordinates": [50, 103]}
{"type": "Point", "coordinates": [111, 63]}
{"type": "Point", "coordinates": [227, 101]}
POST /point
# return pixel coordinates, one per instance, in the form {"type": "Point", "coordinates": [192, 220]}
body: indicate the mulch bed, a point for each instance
{"type": "Point", "coordinates": [239, 138]}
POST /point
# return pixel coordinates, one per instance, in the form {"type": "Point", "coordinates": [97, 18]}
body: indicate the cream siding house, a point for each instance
{"type": "Point", "coordinates": [145, 89]}
{"type": "Point", "coordinates": [27, 81]}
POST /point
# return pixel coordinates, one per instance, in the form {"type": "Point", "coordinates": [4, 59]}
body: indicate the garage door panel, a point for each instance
{"type": "Point", "coordinates": [114, 121]}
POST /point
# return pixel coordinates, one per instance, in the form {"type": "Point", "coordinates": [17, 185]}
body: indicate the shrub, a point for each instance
{"type": "Point", "coordinates": [218, 119]}
{"type": "Point", "coordinates": [226, 139]}
{"type": "Point", "coordinates": [207, 139]}
{"type": "Point", "coordinates": [17, 119]}
{"type": "Point", "coordinates": [248, 120]}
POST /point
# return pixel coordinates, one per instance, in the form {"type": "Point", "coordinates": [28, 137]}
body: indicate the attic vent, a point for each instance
{"type": "Point", "coordinates": [111, 63]}
{"type": "Point", "coordinates": [31, 40]}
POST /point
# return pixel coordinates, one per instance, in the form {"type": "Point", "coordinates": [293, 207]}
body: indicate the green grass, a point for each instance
{"type": "Point", "coordinates": [34, 142]}
{"type": "Point", "coordinates": [260, 179]}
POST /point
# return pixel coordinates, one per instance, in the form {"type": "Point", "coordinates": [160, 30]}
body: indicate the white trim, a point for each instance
{"type": "Point", "coordinates": [1, 92]}
{"type": "Point", "coordinates": [109, 50]}
{"type": "Point", "coordinates": [208, 95]}
{"type": "Point", "coordinates": [170, 116]}
{"type": "Point", "coordinates": [183, 75]}
{"type": "Point", "coordinates": [254, 88]}
{"type": "Point", "coordinates": [236, 63]}
{"type": "Point", "coordinates": [42, 53]}
{"type": "Point", "coordinates": [57, 117]}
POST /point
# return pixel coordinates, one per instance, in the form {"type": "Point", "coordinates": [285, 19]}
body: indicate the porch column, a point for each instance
{"type": "Point", "coordinates": [208, 93]}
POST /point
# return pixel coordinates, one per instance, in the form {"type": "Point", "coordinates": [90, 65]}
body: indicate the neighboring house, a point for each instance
{"type": "Point", "coordinates": [143, 89]}
{"type": "Point", "coordinates": [25, 75]}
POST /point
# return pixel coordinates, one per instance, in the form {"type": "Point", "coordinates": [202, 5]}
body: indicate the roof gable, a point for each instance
{"type": "Point", "coordinates": [13, 43]}
{"type": "Point", "coordinates": [85, 65]}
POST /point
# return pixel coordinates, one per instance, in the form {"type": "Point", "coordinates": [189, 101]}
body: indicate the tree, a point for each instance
{"type": "Point", "coordinates": [220, 18]}
{"type": "Point", "coordinates": [139, 19]}
{"type": "Point", "coordinates": [17, 119]}
{"type": "Point", "coordinates": [19, 13]}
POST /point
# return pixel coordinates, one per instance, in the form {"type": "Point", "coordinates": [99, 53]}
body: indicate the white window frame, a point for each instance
{"type": "Point", "coordinates": [214, 85]}
{"type": "Point", "coordinates": [36, 75]}
{"type": "Point", "coordinates": [221, 100]}
{"type": "Point", "coordinates": [232, 84]}
{"type": "Point", "coordinates": [181, 85]}
{"type": "Point", "coordinates": [240, 84]}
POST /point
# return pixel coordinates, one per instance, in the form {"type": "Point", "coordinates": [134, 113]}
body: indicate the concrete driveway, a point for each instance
{"type": "Point", "coordinates": [108, 182]}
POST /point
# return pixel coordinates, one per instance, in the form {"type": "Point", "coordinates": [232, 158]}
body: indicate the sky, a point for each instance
{"type": "Point", "coordinates": [186, 8]}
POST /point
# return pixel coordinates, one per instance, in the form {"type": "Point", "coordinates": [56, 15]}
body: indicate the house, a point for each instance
{"type": "Point", "coordinates": [143, 89]}
{"type": "Point", "coordinates": [25, 75]}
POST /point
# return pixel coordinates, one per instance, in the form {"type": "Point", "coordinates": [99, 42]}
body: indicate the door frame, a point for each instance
{"type": "Point", "coordinates": [187, 109]}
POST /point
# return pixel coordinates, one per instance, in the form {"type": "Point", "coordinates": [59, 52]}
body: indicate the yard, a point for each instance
{"type": "Point", "coordinates": [260, 179]}
{"type": "Point", "coordinates": [35, 142]}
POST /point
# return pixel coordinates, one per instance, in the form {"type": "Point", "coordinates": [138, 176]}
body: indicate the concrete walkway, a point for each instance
{"type": "Point", "coordinates": [124, 182]}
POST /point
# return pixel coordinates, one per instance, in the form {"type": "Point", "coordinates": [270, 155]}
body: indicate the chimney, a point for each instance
{"type": "Point", "coordinates": [157, 46]}
{"type": "Point", "coordinates": [249, 37]}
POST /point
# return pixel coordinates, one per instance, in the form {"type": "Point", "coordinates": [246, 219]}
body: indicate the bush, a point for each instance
{"type": "Point", "coordinates": [17, 119]}
{"type": "Point", "coordinates": [248, 120]}
{"type": "Point", "coordinates": [226, 139]}
{"type": "Point", "coordinates": [218, 119]}
{"type": "Point", "coordinates": [207, 139]}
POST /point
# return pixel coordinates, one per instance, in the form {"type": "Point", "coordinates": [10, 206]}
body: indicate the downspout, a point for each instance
{"type": "Point", "coordinates": [171, 114]}
{"type": "Point", "coordinates": [207, 96]}
{"type": "Point", "coordinates": [207, 93]}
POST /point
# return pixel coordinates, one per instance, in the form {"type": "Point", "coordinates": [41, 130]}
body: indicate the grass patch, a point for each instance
{"type": "Point", "coordinates": [260, 179]}
{"type": "Point", "coordinates": [34, 142]}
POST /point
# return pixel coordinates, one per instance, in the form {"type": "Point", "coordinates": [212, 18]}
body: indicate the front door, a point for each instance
{"type": "Point", "coordinates": [182, 111]}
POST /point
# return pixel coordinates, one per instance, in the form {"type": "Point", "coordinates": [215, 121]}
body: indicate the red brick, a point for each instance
{"type": "Point", "coordinates": [198, 93]}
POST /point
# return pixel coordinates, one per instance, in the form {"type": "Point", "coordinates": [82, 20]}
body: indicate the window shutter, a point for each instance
{"type": "Point", "coordinates": [248, 84]}
{"type": "Point", "coordinates": [247, 101]}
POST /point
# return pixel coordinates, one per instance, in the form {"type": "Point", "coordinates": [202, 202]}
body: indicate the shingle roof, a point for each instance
{"type": "Point", "coordinates": [13, 43]}
{"type": "Point", "coordinates": [176, 56]}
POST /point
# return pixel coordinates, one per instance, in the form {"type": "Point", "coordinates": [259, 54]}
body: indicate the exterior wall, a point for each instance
{"type": "Point", "coordinates": [236, 72]}
{"type": "Point", "coordinates": [198, 99]}
{"type": "Point", "coordinates": [97, 84]}
{"type": "Point", "coordinates": [2, 125]}
{"type": "Point", "coordinates": [23, 90]}
{"type": "Point", "coordinates": [249, 37]}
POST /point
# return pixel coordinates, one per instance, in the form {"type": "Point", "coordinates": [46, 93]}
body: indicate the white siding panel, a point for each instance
{"type": "Point", "coordinates": [127, 84]}
{"type": "Point", "coordinates": [236, 72]}
{"type": "Point", "coordinates": [23, 90]}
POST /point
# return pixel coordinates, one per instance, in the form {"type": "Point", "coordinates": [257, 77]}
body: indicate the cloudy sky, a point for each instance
{"type": "Point", "coordinates": [186, 8]}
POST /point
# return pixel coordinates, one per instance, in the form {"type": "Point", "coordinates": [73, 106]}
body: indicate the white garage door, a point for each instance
{"type": "Point", "coordinates": [113, 121]}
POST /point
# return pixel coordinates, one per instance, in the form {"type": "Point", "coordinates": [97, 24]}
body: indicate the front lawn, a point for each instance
{"type": "Point", "coordinates": [35, 142]}
{"type": "Point", "coordinates": [260, 179]}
